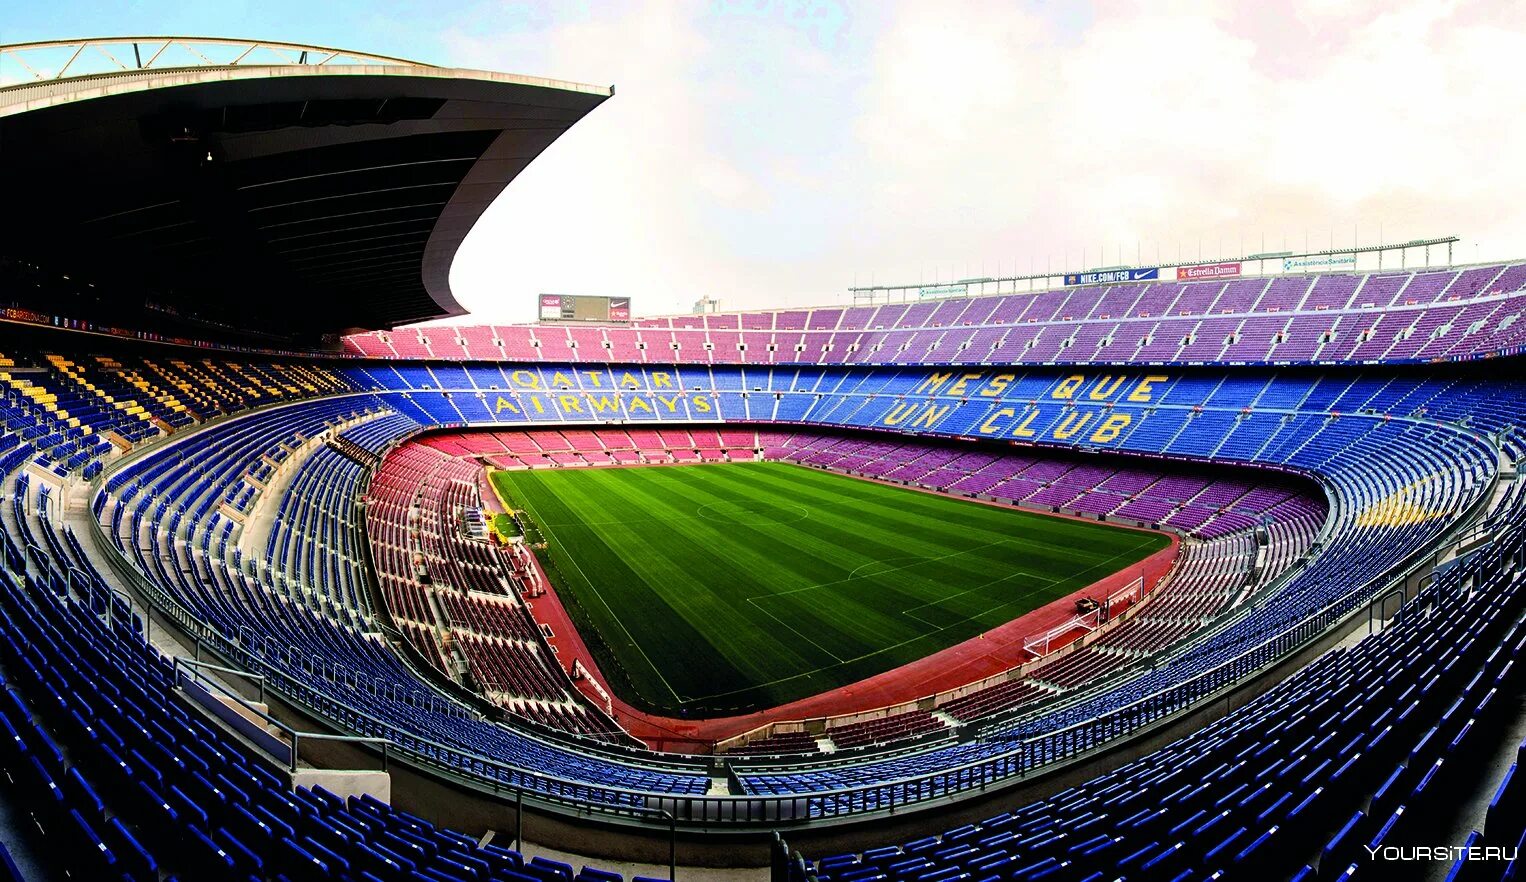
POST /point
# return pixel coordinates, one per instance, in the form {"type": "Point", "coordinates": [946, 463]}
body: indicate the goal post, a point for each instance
{"type": "Point", "coordinates": [1042, 643]}
{"type": "Point", "coordinates": [1130, 592]}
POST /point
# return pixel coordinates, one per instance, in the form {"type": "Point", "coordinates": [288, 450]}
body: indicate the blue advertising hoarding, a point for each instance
{"type": "Point", "coordinates": [1107, 277]}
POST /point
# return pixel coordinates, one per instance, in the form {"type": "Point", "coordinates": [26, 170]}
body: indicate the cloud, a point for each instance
{"type": "Point", "coordinates": [771, 156]}
{"type": "Point", "coordinates": [612, 207]}
{"type": "Point", "coordinates": [1167, 123]}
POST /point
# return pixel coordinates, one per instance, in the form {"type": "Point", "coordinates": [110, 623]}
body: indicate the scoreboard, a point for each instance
{"type": "Point", "coordinates": [584, 308]}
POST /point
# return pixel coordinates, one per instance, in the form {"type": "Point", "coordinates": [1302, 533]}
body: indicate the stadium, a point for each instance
{"type": "Point", "coordinates": [1191, 571]}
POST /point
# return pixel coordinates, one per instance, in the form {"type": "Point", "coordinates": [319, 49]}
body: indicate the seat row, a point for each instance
{"type": "Point", "coordinates": [123, 780]}
{"type": "Point", "coordinates": [1423, 315]}
{"type": "Point", "coordinates": [1355, 751]}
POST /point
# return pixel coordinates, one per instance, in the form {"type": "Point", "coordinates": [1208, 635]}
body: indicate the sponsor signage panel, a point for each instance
{"type": "Point", "coordinates": [1108, 277]}
{"type": "Point", "coordinates": [584, 308]}
{"type": "Point", "coordinates": [1207, 271]}
{"type": "Point", "coordinates": [1318, 262]}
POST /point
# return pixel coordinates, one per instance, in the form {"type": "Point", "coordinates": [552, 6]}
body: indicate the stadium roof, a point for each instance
{"type": "Point", "coordinates": [261, 185]}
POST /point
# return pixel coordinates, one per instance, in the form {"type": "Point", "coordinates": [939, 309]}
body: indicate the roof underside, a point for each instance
{"type": "Point", "coordinates": [300, 200]}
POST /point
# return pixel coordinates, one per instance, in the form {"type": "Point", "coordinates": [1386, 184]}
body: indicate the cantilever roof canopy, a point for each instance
{"type": "Point", "coordinates": [257, 185]}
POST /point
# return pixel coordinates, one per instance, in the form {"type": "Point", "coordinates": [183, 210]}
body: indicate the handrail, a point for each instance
{"type": "Point", "coordinates": [886, 795]}
{"type": "Point", "coordinates": [1245, 258]}
{"type": "Point", "coordinates": [1376, 604]}
{"type": "Point", "coordinates": [199, 664]}
{"type": "Point", "coordinates": [295, 735]}
{"type": "Point", "coordinates": [1413, 562]}
{"type": "Point", "coordinates": [170, 52]}
{"type": "Point", "coordinates": [585, 797]}
{"type": "Point", "coordinates": [1416, 559]}
{"type": "Point", "coordinates": [906, 781]}
{"type": "Point", "coordinates": [1203, 676]}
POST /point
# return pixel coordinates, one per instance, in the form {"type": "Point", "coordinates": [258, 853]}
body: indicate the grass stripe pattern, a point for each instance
{"type": "Point", "coordinates": [726, 588]}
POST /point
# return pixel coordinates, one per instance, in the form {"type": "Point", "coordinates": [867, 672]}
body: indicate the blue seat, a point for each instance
{"type": "Point", "coordinates": [135, 860]}
{"type": "Point", "coordinates": [1503, 821]}
{"type": "Point", "coordinates": [91, 857]}
{"type": "Point", "coordinates": [245, 860]}
{"type": "Point", "coordinates": [1345, 843]}
{"type": "Point", "coordinates": [209, 858]}
{"type": "Point", "coordinates": [8, 870]}
{"type": "Point", "coordinates": [298, 862]}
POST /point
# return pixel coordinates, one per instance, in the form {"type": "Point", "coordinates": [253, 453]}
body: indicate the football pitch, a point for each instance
{"type": "Point", "coordinates": [711, 589]}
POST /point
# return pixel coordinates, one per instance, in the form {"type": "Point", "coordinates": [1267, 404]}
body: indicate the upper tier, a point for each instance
{"type": "Point", "coordinates": [1453, 314]}
{"type": "Point", "coordinates": [254, 193]}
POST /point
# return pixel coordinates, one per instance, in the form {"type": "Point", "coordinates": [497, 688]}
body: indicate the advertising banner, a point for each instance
{"type": "Point", "coordinates": [584, 308]}
{"type": "Point", "coordinates": [1331, 261]}
{"type": "Point", "coordinates": [1108, 277]}
{"type": "Point", "coordinates": [1207, 271]}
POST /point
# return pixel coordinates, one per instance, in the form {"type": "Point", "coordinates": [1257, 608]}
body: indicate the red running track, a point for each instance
{"type": "Point", "coordinates": [997, 650]}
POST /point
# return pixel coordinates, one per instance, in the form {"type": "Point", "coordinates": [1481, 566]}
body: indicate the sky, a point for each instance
{"type": "Point", "coordinates": [776, 152]}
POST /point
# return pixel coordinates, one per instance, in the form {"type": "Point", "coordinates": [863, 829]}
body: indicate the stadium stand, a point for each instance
{"type": "Point", "coordinates": [1334, 318]}
{"type": "Point", "coordinates": [1382, 504]}
{"type": "Point", "coordinates": [444, 583]}
{"type": "Point", "coordinates": [359, 681]}
{"type": "Point", "coordinates": [1376, 725]}
{"type": "Point", "coordinates": [1219, 518]}
{"type": "Point", "coordinates": [126, 781]}
{"type": "Point", "coordinates": [307, 512]}
{"type": "Point", "coordinates": [689, 439]}
{"type": "Point", "coordinates": [1399, 459]}
{"type": "Point", "coordinates": [1406, 518]}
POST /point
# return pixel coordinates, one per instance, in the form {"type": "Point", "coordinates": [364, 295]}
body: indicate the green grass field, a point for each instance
{"type": "Point", "coordinates": [722, 588]}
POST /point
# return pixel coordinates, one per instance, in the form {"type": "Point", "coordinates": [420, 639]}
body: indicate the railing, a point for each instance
{"type": "Point", "coordinates": [55, 60]}
{"type": "Point", "coordinates": [1231, 617]}
{"type": "Point", "coordinates": [1025, 757]}
{"type": "Point", "coordinates": [1056, 280]}
{"type": "Point", "coordinates": [295, 737]}
{"type": "Point", "coordinates": [1281, 645]}
{"type": "Point", "coordinates": [1063, 744]}
{"type": "Point", "coordinates": [584, 798]}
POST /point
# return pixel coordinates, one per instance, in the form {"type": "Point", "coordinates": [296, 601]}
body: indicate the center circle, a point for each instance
{"type": "Point", "coordinates": [752, 513]}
